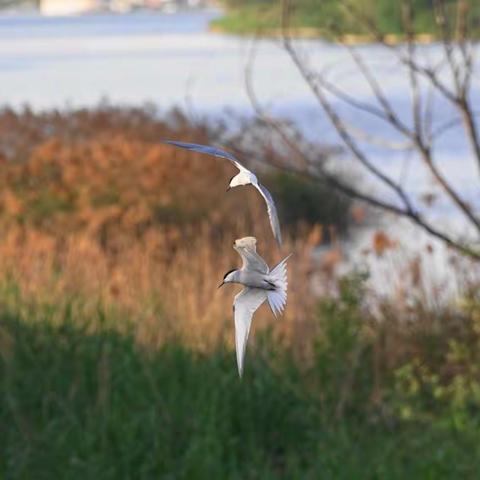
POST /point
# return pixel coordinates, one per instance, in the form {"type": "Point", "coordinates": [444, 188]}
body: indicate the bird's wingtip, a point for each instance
{"type": "Point", "coordinates": [246, 242]}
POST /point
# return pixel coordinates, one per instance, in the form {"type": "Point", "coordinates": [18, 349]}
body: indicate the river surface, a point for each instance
{"type": "Point", "coordinates": [172, 60]}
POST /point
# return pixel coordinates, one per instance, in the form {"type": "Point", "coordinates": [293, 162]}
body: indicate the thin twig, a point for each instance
{"type": "Point", "coordinates": [424, 148]}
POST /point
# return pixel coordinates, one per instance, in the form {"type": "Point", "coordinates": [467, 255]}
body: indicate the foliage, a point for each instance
{"type": "Point", "coordinates": [105, 171]}
{"type": "Point", "coordinates": [446, 375]}
{"type": "Point", "coordinates": [327, 16]}
{"type": "Point", "coordinates": [313, 203]}
{"type": "Point", "coordinates": [80, 398]}
{"type": "Point", "coordinates": [92, 204]}
{"type": "Point", "coordinates": [116, 349]}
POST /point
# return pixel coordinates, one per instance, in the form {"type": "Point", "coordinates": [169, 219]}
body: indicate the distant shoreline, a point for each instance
{"type": "Point", "coordinates": [316, 33]}
{"type": "Point", "coordinates": [310, 20]}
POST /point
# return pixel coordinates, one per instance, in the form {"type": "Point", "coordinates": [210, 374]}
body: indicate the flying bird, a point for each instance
{"type": "Point", "coordinates": [260, 284]}
{"type": "Point", "coordinates": [244, 177]}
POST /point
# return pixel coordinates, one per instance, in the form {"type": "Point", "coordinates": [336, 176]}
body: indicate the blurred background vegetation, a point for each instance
{"type": "Point", "coordinates": [320, 18]}
{"type": "Point", "coordinates": [116, 349]}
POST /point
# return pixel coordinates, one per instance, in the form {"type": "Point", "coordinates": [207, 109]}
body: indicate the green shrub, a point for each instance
{"type": "Point", "coordinates": [303, 200]}
{"type": "Point", "coordinates": [332, 16]}
{"type": "Point", "coordinates": [80, 398]}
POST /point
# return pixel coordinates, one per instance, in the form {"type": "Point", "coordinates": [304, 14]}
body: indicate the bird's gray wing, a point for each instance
{"type": "Point", "coordinates": [216, 152]}
{"type": "Point", "coordinates": [244, 306]}
{"type": "Point", "coordinates": [272, 212]}
{"type": "Point", "coordinates": [251, 259]}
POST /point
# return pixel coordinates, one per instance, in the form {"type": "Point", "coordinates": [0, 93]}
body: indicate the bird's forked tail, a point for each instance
{"type": "Point", "coordinates": [277, 298]}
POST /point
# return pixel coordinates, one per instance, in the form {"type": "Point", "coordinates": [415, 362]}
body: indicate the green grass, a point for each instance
{"type": "Point", "coordinates": [252, 16]}
{"type": "Point", "coordinates": [79, 400]}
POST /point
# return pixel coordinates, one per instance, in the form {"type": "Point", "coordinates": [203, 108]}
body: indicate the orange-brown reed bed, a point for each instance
{"type": "Point", "coordinates": [164, 290]}
{"type": "Point", "coordinates": [94, 207]}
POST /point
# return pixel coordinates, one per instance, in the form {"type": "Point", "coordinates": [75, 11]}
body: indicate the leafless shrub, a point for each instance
{"type": "Point", "coordinates": [450, 79]}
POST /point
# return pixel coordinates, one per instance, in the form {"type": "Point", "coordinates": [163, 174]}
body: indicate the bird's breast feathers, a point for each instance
{"type": "Point", "coordinates": [256, 280]}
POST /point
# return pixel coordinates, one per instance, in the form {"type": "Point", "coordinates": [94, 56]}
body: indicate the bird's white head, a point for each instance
{"type": "Point", "coordinates": [229, 277]}
{"type": "Point", "coordinates": [242, 178]}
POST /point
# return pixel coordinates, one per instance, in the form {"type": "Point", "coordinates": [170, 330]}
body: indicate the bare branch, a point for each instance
{"type": "Point", "coordinates": [470, 127]}
{"type": "Point", "coordinates": [390, 114]}
{"type": "Point", "coordinates": [279, 127]}
{"type": "Point", "coordinates": [448, 125]}
{"type": "Point", "coordinates": [448, 46]}
{"type": "Point", "coordinates": [341, 129]}
{"type": "Point", "coordinates": [347, 138]}
{"type": "Point", "coordinates": [376, 140]}
{"type": "Point", "coordinates": [455, 197]}
{"type": "Point", "coordinates": [427, 73]}
{"type": "Point", "coordinates": [386, 115]}
{"type": "Point", "coordinates": [429, 134]}
{"type": "Point", "coordinates": [408, 25]}
{"type": "Point", "coordinates": [305, 166]}
{"type": "Point", "coordinates": [458, 97]}
{"type": "Point", "coordinates": [462, 33]}
{"type": "Point", "coordinates": [425, 152]}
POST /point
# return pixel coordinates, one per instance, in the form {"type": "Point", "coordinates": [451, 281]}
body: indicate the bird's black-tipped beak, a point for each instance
{"type": "Point", "coordinates": [228, 188]}
{"type": "Point", "coordinates": [221, 285]}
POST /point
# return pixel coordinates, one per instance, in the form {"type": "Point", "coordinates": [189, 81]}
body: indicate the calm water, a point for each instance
{"type": "Point", "coordinates": [172, 60]}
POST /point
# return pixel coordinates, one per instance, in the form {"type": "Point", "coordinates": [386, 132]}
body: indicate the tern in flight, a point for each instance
{"type": "Point", "coordinates": [244, 177]}
{"type": "Point", "coordinates": [260, 284]}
